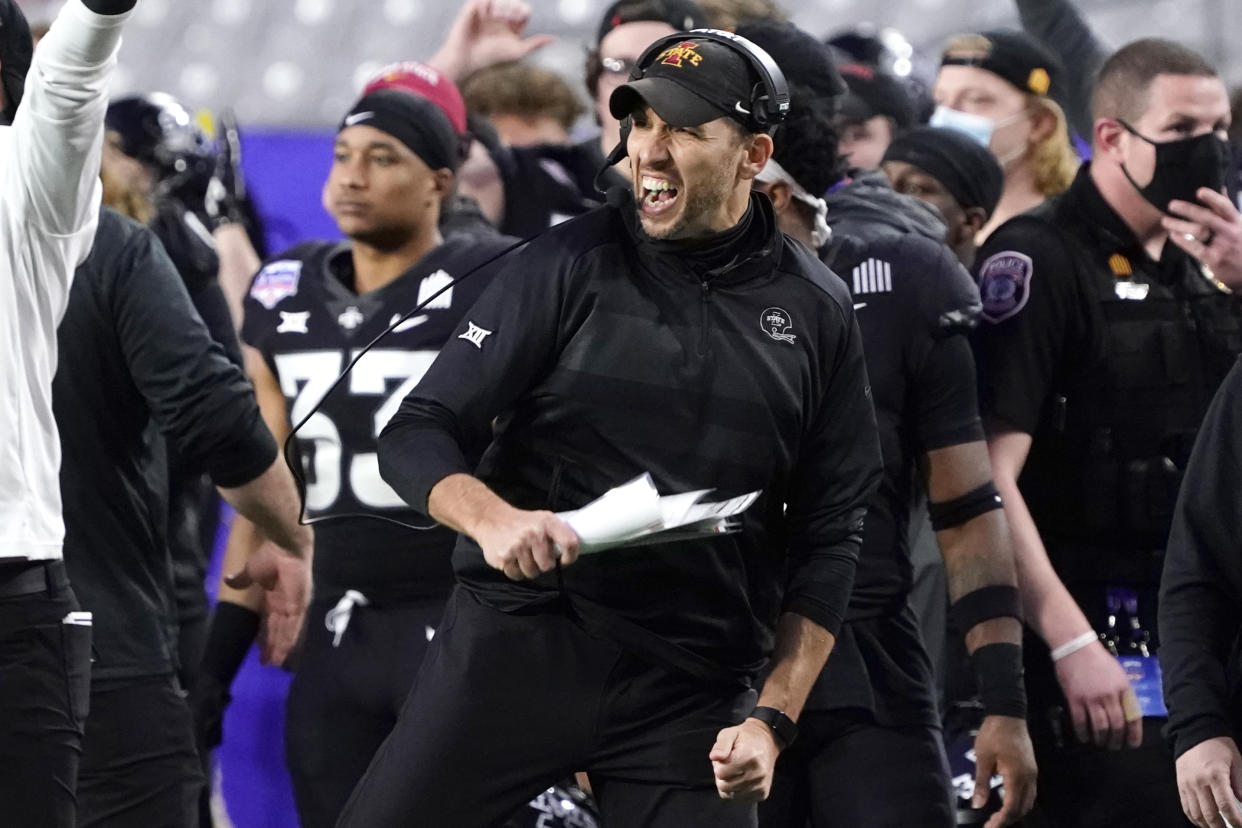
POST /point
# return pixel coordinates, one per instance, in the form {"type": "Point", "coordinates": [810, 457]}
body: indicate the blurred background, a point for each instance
{"type": "Point", "coordinates": [300, 63]}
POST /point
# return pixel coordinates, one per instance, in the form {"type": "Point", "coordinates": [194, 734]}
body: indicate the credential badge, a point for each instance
{"type": "Point", "coordinates": [475, 335]}
{"type": "Point", "coordinates": [777, 324]}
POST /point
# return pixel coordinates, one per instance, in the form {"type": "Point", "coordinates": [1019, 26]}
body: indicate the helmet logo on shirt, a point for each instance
{"type": "Point", "coordinates": [1004, 284]}
{"type": "Point", "coordinates": [776, 323]}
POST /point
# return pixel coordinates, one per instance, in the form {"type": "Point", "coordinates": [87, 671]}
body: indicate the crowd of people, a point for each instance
{"type": "Point", "coordinates": [965, 350]}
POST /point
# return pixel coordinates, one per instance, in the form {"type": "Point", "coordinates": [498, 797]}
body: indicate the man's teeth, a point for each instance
{"type": "Point", "coordinates": [656, 184]}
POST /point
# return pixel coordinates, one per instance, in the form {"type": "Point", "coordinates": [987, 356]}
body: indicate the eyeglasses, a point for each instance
{"type": "Point", "coordinates": [616, 67]}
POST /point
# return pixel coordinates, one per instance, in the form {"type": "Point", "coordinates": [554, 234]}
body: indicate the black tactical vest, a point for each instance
{"type": "Point", "coordinates": [1113, 443]}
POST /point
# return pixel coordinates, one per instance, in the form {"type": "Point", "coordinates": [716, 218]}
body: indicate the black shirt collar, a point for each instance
{"type": "Point", "coordinates": [737, 254]}
{"type": "Point", "coordinates": [1114, 236]}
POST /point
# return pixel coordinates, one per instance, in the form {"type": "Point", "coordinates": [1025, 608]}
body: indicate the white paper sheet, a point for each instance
{"type": "Point", "coordinates": [635, 514]}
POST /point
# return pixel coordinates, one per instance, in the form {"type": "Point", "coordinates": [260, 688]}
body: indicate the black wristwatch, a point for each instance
{"type": "Point", "coordinates": [782, 726]}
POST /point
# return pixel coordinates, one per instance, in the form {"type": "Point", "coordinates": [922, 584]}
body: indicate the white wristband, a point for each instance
{"type": "Point", "coordinates": [1074, 645]}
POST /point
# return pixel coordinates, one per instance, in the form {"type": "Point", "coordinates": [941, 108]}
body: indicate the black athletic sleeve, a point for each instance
{"type": "Point", "coordinates": [504, 344]}
{"type": "Point", "coordinates": [838, 470]}
{"type": "Point", "coordinates": [1200, 606]}
{"type": "Point", "coordinates": [1025, 334]}
{"type": "Point", "coordinates": [945, 400]}
{"type": "Point", "coordinates": [201, 401]}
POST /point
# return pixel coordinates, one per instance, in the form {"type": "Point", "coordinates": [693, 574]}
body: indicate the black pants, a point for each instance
{"type": "Point", "coordinates": [507, 704]}
{"type": "Point", "coordinates": [1084, 786]}
{"type": "Point", "coordinates": [139, 763]}
{"type": "Point", "coordinates": [846, 771]}
{"type": "Point", "coordinates": [44, 697]}
{"type": "Point", "coordinates": [344, 700]}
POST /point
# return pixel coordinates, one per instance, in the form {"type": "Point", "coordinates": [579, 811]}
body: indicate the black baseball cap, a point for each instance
{"type": "Point", "coordinates": [966, 168]}
{"type": "Point", "coordinates": [692, 81]}
{"type": "Point", "coordinates": [682, 15]}
{"type": "Point", "coordinates": [875, 92]}
{"type": "Point", "coordinates": [1011, 55]}
{"type": "Point", "coordinates": [804, 59]}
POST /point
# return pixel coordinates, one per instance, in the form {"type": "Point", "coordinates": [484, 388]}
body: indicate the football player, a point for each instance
{"type": "Point", "coordinates": [308, 313]}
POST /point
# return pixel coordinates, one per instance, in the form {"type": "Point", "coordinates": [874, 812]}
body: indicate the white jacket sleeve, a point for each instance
{"type": "Point", "coordinates": [51, 183]}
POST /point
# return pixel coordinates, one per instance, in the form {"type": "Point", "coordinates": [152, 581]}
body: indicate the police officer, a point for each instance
{"type": "Point", "coordinates": [1107, 330]}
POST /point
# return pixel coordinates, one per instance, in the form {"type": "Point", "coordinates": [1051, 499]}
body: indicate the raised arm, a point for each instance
{"type": "Point", "coordinates": [51, 181]}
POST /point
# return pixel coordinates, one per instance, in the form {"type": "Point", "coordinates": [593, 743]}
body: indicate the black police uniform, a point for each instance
{"type": "Point", "coordinates": [602, 354]}
{"type": "Point", "coordinates": [875, 699]}
{"type": "Point", "coordinates": [137, 366]}
{"type": "Point", "coordinates": [379, 587]}
{"type": "Point", "coordinates": [1109, 360]}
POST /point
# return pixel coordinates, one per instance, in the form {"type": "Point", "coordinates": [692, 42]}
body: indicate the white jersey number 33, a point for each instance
{"type": "Point", "coordinates": [306, 376]}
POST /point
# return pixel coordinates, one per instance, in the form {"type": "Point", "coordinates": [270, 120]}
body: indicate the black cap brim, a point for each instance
{"type": "Point", "coordinates": [676, 105]}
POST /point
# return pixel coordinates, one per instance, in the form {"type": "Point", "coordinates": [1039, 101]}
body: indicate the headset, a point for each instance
{"type": "Point", "coordinates": [769, 99]}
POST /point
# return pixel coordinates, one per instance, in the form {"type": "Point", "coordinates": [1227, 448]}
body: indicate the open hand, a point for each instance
{"type": "Point", "coordinates": [286, 581]}
{"type": "Point", "coordinates": [1209, 779]}
{"type": "Point", "coordinates": [1101, 701]}
{"type": "Point", "coordinates": [1211, 231]}
{"type": "Point", "coordinates": [1003, 746]}
{"type": "Point", "coordinates": [487, 32]}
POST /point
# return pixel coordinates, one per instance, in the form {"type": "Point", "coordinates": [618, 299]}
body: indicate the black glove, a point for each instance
{"type": "Point", "coordinates": [207, 700]}
{"type": "Point", "coordinates": [226, 192]}
{"type": "Point", "coordinates": [233, 629]}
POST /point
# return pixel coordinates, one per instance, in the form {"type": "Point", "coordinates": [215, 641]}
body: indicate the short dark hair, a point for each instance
{"type": "Point", "coordinates": [524, 90]}
{"type": "Point", "coordinates": [1123, 85]}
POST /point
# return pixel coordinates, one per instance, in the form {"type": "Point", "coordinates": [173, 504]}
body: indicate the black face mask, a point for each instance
{"type": "Point", "coordinates": [1182, 167]}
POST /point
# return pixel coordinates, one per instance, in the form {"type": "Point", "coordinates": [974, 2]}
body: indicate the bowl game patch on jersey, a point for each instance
{"type": "Point", "coordinates": [276, 282]}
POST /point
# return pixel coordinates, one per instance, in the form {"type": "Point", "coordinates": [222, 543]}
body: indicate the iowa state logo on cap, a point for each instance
{"type": "Point", "coordinates": [680, 54]}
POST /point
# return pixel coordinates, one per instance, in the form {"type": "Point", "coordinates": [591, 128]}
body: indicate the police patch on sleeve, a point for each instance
{"type": "Point", "coordinates": [1005, 284]}
{"type": "Point", "coordinates": [276, 282]}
